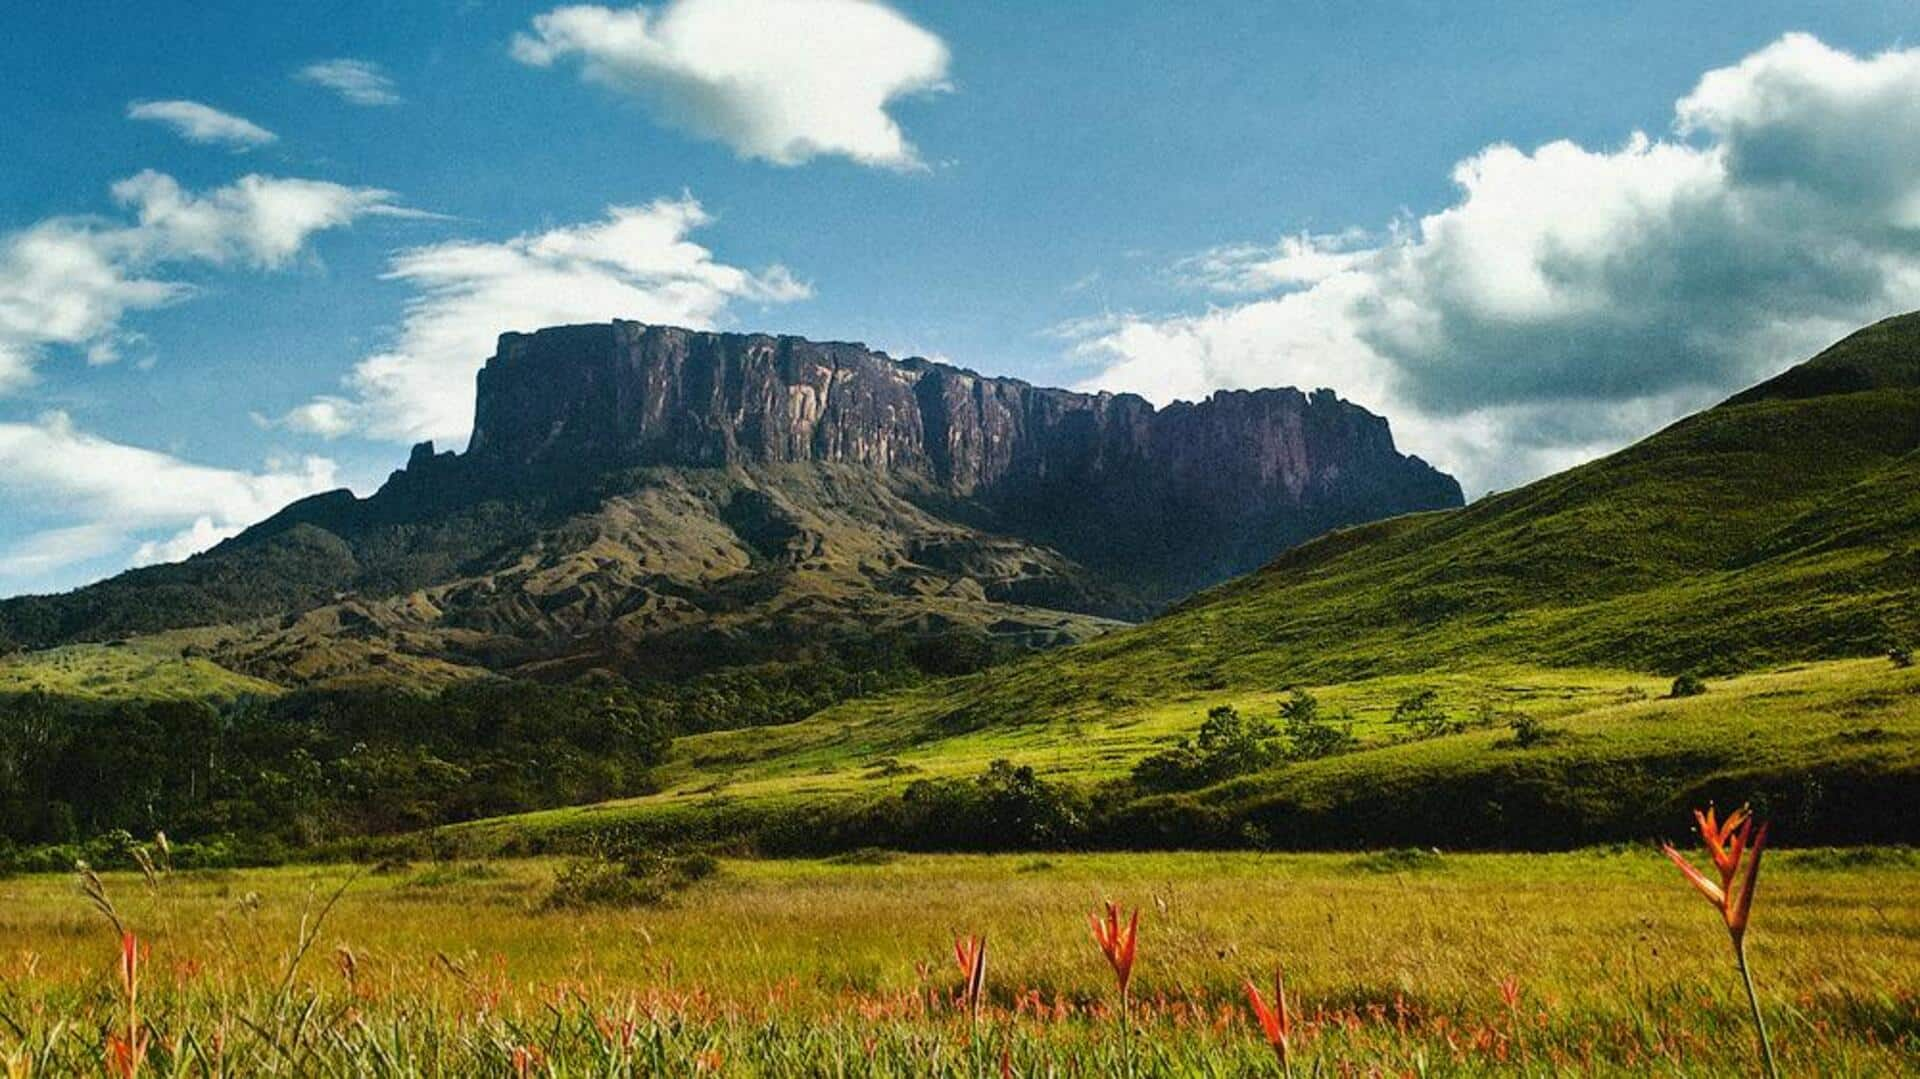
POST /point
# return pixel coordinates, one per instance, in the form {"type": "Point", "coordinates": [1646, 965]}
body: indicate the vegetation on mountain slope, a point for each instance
{"type": "Point", "coordinates": [1780, 527]}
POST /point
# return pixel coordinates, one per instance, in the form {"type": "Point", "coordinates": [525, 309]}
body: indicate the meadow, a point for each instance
{"type": "Point", "coordinates": [1828, 747]}
{"type": "Point", "coordinates": [1397, 963]}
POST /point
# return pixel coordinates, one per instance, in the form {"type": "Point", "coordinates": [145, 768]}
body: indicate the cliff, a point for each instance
{"type": "Point", "coordinates": [661, 501]}
{"type": "Point", "coordinates": [1255, 471]}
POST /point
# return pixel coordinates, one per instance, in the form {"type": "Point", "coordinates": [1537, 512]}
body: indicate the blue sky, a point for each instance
{"type": "Point", "coordinates": [1157, 197]}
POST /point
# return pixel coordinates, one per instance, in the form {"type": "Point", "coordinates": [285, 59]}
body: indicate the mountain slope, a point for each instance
{"type": "Point", "coordinates": [1779, 528]}
{"type": "Point", "coordinates": [1779, 525]}
{"type": "Point", "coordinates": [659, 501]}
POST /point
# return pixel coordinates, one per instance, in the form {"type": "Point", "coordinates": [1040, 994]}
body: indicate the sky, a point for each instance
{"type": "Point", "coordinates": [252, 252]}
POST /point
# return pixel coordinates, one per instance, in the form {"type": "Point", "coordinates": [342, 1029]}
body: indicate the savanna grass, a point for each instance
{"type": "Point", "coordinates": [1586, 962]}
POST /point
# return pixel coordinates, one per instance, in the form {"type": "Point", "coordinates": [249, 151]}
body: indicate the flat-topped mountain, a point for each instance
{"type": "Point", "coordinates": [651, 497]}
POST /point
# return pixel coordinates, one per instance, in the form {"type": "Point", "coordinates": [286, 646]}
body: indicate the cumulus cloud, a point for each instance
{"type": "Point", "coordinates": [202, 123]}
{"type": "Point", "coordinates": [780, 80]}
{"type": "Point", "coordinates": [111, 498]}
{"type": "Point", "coordinates": [637, 263]}
{"type": "Point", "coordinates": [69, 281]}
{"type": "Point", "coordinates": [1573, 299]}
{"type": "Point", "coordinates": [358, 82]}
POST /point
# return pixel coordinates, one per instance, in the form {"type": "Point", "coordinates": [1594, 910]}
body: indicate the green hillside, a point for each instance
{"type": "Point", "coordinates": [1772, 528]}
{"type": "Point", "coordinates": [150, 669]}
{"type": "Point", "coordinates": [1778, 528]}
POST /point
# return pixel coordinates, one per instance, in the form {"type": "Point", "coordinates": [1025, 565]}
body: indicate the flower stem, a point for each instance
{"type": "Point", "coordinates": [1753, 1001]}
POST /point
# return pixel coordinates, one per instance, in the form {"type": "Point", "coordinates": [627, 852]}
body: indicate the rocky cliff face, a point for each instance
{"type": "Point", "coordinates": [660, 501]}
{"type": "Point", "coordinates": [1197, 491]}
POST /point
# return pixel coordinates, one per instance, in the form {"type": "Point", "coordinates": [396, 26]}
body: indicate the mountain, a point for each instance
{"type": "Point", "coordinates": [1504, 670]}
{"type": "Point", "coordinates": [657, 501]}
{"type": "Point", "coordinates": [1780, 525]}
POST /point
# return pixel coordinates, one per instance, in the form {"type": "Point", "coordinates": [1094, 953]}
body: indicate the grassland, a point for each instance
{"type": "Point", "coordinates": [153, 668]}
{"type": "Point", "coordinates": [1827, 747]}
{"type": "Point", "coordinates": [1771, 543]}
{"type": "Point", "coordinates": [808, 968]}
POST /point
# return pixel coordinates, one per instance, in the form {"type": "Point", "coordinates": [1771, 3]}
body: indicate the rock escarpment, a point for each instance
{"type": "Point", "coordinates": [1191, 492]}
{"type": "Point", "coordinates": [660, 501]}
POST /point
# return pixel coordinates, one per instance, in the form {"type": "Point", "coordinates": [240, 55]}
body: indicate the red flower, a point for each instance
{"type": "Point", "coordinates": [971, 954]}
{"type": "Point", "coordinates": [1728, 843]}
{"type": "Point", "coordinates": [1117, 944]}
{"type": "Point", "coordinates": [1275, 1021]}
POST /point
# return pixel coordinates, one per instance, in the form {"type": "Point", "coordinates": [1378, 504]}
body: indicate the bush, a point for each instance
{"type": "Point", "coordinates": [1308, 736]}
{"type": "Point", "coordinates": [645, 878]}
{"type": "Point", "coordinates": [1228, 745]}
{"type": "Point", "coordinates": [1398, 860]}
{"type": "Point", "coordinates": [1528, 732]}
{"type": "Point", "coordinates": [1687, 685]}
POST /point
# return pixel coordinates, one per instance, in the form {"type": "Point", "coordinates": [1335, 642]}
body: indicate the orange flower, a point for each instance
{"type": "Point", "coordinates": [125, 1055]}
{"type": "Point", "coordinates": [1117, 944]}
{"type": "Point", "coordinates": [130, 951]}
{"type": "Point", "coordinates": [971, 954]}
{"type": "Point", "coordinates": [126, 1052]}
{"type": "Point", "coordinates": [526, 1059]}
{"type": "Point", "coordinates": [1728, 843]}
{"type": "Point", "coordinates": [1275, 1021]}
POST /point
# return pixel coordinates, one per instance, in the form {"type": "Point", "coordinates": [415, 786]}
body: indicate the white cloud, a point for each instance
{"type": "Point", "coordinates": [69, 281]}
{"type": "Point", "coordinates": [1306, 259]}
{"type": "Point", "coordinates": [196, 537]}
{"type": "Point", "coordinates": [41, 555]}
{"type": "Point", "coordinates": [116, 496]}
{"type": "Point", "coordinates": [202, 123]}
{"type": "Point", "coordinates": [1571, 300]}
{"type": "Point", "coordinates": [779, 80]}
{"type": "Point", "coordinates": [637, 264]}
{"type": "Point", "coordinates": [359, 82]}
{"type": "Point", "coordinates": [328, 417]}
{"type": "Point", "coordinates": [260, 221]}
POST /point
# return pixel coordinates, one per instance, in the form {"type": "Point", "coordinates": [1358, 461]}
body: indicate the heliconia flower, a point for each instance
{"type": "Point", "coordinates": [971, 954]}
{"type": "Point", "coordinates": [130, 950]}
{"type": "Point", "coordinates": [1275, 1020]}
{"type": "Point", "coordinates": [125, 1054]}
{"type": "Point", "coordinates": [1728, 843]}
{"type": "Point", "coordinates": [1115, 943]}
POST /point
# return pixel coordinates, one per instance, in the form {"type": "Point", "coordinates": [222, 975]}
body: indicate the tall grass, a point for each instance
{"type": "Point", "coordinates": [804, 968]}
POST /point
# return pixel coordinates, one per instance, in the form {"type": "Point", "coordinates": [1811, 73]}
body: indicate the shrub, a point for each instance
{"type": "Point", "coordinates": [1687, 685]}
{"type": "Point", "coordinates": [865, 856]}
{"type": "Point", "coordinates": [1308, 736]}
{"type": "Point", "coordinates": [1227, 745]}
{"type": "Point", "coordinates": [1398, 860]}
{"type": "Point", "coordinates": [1529, 731]}
{"type": "Point", "coordinates": [645, 878]}
{"type": "Point", "coordinates": [1421, 711]}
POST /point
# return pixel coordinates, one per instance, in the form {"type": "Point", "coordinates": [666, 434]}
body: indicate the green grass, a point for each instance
{"type": "Point", "coordinates": [138, 669]}
{"type": "Point", "coordinates": [1780, 528]}
{"type": "Point", "coordinates": [804, 967]}
{"type": "Point", "coordinates": [1817, 745]}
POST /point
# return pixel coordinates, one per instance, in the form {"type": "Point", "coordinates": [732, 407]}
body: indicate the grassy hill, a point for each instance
{"type": "Point", "coordinates": [149, 669]}
{"type": "Point", "coordinates": [1778, 528]}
